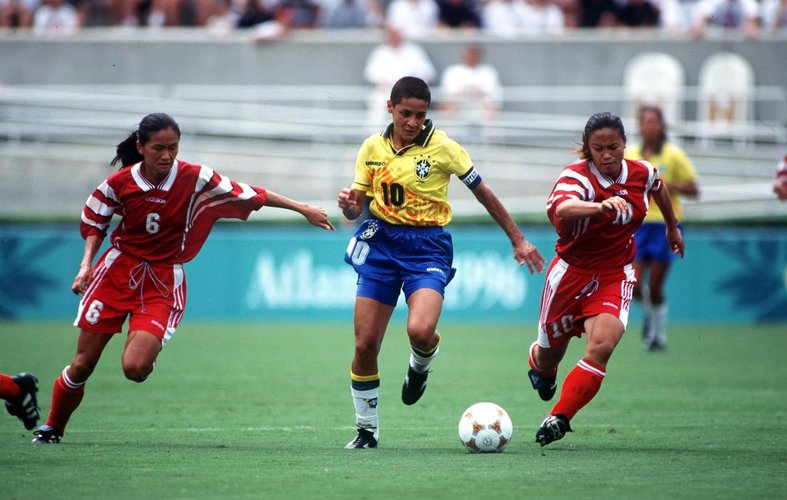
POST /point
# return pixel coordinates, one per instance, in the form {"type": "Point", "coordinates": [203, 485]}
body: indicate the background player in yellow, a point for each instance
{"type": "Point", "coordinates": [654, 256]}
{"type": "Point", "coordinates": [405, 172]}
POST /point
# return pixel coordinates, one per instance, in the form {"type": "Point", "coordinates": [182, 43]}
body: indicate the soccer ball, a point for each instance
{"type": "Point", "coordinates": [485, 428]}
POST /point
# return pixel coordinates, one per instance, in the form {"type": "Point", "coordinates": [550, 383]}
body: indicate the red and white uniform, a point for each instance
{"type": "Point", "coordinates": [592, 272]}
{"type": "Point", "coordinates": [162, 227]}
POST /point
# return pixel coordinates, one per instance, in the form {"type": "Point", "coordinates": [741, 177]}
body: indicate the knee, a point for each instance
{"type": "Point", "coordinates": [423, 337]}
{"type": "Point", "coordinates": [366, 348]}
{"type": "Point", "coordinates": [137, 372]}
{"type": "Point", "coordinates": [81, 368]}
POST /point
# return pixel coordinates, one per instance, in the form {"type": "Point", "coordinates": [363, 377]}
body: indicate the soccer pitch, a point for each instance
{"type": "Point", "coordinates": [264, 410]}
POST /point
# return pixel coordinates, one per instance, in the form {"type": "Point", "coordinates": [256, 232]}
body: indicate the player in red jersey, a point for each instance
{"type": "Point", "coordinates": [168, 208]}
{"type": "Point", "coordinates": [596, 205]}
{"type": "Point", "coordinates": [780, 181]}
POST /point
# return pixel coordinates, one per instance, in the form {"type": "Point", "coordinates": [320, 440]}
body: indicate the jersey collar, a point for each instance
{"type": "Point", "coordinates": [422, 139]}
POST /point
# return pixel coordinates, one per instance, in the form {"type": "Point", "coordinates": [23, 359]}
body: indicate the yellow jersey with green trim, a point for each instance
{"type": "Point", "coordinates": [674, 168]}
{"type": "Point", "coordinates": [410, 186]}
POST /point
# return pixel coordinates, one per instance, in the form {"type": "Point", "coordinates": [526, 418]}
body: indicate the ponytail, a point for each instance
{"type": "Point", "coordinates": [126, 152]}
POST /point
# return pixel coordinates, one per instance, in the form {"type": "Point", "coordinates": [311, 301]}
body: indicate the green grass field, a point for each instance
{"type": "Point", "coordinates": [263, 411]}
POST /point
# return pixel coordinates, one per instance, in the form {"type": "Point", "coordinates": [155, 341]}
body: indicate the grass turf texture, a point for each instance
{"type": "Point", "coordinates": [249, 411]}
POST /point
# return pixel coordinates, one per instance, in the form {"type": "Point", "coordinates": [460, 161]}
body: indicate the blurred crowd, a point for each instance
{"type": "Point", "coordinates": [414, 19]}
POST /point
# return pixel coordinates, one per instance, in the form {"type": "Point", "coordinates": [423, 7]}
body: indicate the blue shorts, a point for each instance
{"type": "Point", "coordinates": [651, 240]}
{"type": "Point", "coordinates": [390, 258]}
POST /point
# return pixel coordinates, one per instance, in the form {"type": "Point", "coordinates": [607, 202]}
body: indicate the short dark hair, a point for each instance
{"type": "Point", "coordinates": [409, 87]}
{"type": "Point", "coordinates": [599, 121]}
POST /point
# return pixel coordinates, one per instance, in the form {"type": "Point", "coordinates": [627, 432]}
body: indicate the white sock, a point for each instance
{"type": "Point", "coordinates": [365, 403]}
{"type": "Point", "coordinates": [659, 323]}
{"type": "Point", "coordinates": [421, 363]}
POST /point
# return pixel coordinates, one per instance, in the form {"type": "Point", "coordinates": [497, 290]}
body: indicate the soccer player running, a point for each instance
{"type": "Point", "coordinates": [168, 207]}
{"type": "Point", "coordinates": [405, 172]}
{"type": "Point", "coordinates": [595, 205]}
{"type": "Point", "coordinates": [654, 255]}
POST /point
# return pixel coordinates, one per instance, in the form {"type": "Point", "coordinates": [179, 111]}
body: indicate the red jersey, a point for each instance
{"type": "Point", "coordinates": [168, 222]}
{"type": "Point", "coordinates": [602, 241]}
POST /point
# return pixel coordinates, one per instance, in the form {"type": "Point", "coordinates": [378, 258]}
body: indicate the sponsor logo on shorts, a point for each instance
{"type": "Point", "coordinates": [435, 270]}
{"type": "Point", "coordinates": [610, 304]}
{"type": "Point", "coordinates": [159, 325]}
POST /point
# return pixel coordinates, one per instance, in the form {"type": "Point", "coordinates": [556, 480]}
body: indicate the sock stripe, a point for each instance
{"type": "Point", "coordinates": [67, 381]}
{"type": "Point", "coordinates": [587, 366]}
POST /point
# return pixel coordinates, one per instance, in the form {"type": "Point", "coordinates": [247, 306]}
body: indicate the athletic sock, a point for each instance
{"type": "Point", "coordinates": [66, 396]}
{"type": "Point", "coordinates": [9, 390]}
{"type": "Point", "coordinates": [659, 323]}
{"type": "Point", "coordinates": [365, 390]}
{"type": "Point", "coordinates": [551, 373]}
{"type": "Point", "coordinates": [420, 361]}
{"type": "Point", "coordinates": [580, 386]}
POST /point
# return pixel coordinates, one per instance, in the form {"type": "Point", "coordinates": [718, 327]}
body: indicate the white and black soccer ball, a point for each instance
{"type": "Point", "coordinates": [485, 428]}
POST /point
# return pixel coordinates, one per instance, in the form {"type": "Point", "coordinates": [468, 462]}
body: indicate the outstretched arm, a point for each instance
{"type": "Point", "coordinates": [524, 251]}
{"type": "Point", "coordinates": [315, 215]}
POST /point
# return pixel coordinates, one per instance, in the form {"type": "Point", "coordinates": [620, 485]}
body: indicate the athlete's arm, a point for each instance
{"type": "Point", "coordinates": [524, 251]}
{"type": "Point", "coordinates": [85, 275]}
{"type": "Point", "coordinates": [315, 215]}
{"type": "Point", "coordinates": [571, 209]}
{"type": "Point", "coordinates": [664, 202]}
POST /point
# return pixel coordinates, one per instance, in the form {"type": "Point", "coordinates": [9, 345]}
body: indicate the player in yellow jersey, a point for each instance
{"type": "Point", "coordinates": [654, 255]}
{"type": "Point", "coordinates": [405, 172]}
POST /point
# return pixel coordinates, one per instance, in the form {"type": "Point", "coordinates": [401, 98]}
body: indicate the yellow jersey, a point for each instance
{"type": "Point", "coordinates": [410, 186]}
{"type": "Point", "coordinates": [674, 168]}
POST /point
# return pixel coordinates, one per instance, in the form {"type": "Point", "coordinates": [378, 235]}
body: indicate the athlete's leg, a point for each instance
{"type": "Point", "coordinates": [69, 387]}
{"type": "Point", "coordinates": [584, 380]}
{"type": "Point", "coordinates": [658, 277]}
{"type": "Point", "coordinates": [424, 308]}
{"type": "Point", "coordinates": [371, 319]}
{"type": "Point", "coordinates": [139, 355]}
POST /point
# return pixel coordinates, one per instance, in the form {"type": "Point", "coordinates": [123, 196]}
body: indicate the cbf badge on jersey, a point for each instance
{"type": "Point", "coordinates": [423, 166]}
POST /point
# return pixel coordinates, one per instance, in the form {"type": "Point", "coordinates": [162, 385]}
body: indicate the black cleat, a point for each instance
{"type": "Point", "coordinates": [546, 387]}
{"type": "Point", "coordinates": [26, 409]}
{"type": "Point", "coordinates": [46, 434]}
{"type": "Point", "coordinates": [364, 439]}
{"type": "Point", "coordinates": [414, 386]}
{"type": "Point", "coordinates": [553, 427]}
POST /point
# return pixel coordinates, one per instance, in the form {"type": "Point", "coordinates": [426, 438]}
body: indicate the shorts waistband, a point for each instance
{"type": "Point", "coordinates": [401, 227]}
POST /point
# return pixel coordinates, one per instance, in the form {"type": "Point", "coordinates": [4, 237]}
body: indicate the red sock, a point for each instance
{"type": "Point", "coordinates": [66, 397]}
{"type": "Point", "coordinates": [580, 386]}
{"type": "Point", "coordinates": [8, 388]}
{"type": "Point", "coordinates": [532, 363]}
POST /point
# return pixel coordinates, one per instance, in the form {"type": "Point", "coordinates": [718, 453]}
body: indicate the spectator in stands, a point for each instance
{"type": "Point", "coordinates": [349, 14]}
{"type": "Point", "coordinates": [638, 14]}
{"type": "Point", "coordinates": [301, 14]}
{"type": "Point", "coordinates": [729, 16]}
{"type": "Point", "coordinates": [55, 17]}
{"type": "Point", "coordinates": [774, 16]}
{"type": "Point", "coordinates": [780, 182]}
{"type": "Point", "coordinates": [414, 19]}
{"type": "Point", "coordinates": [459, 14]}
{"type": "Point", "coordinates": [654, 254]}
{"type": "Point", "coordinates": [471, 89]}
{"type": "Point", "coordinates": [222, 19]}
{"type": "Point", "coordinates": [254, 12]}
{"type": "Point", "coordinates": [543, 17]}
{"type": "Point", "coordinates": [597, 13]}
{"type": "Point", "coordinates": [679, 17]}
{"type": "Point", "coordinates": [386, 64]}
{"type": "Point", "coordinates": [503, 18]}
{"type": "Point", "coordinates": [17, 13]}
